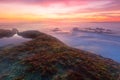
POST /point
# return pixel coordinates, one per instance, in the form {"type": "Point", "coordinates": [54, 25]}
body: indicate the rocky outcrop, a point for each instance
{"type": "Point", "coordinates": [47, 58]}
{"type": "Point", "coordinates": [93, 30]}
{"type": "Point", "coordinates": [29, 34]}
{"type": "Point", "coordinates": [7, 33]}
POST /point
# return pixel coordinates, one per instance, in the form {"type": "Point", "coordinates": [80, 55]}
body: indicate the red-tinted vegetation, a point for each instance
{"type": "Point", "coordinates": [50, 59]}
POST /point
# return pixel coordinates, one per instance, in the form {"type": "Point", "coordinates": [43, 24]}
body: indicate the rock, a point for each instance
{"type": "Point", "coordinates": [29, 34]}
{"type": "Point", "coordinates": [6, 33]}
{"type": "Point", "coordinates": [47, 58]}
{"type": "Point", "coordinates": [56, 30]}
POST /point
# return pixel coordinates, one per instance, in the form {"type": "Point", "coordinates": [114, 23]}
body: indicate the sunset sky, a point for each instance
{"type": "Point", "coordinates": [60, 10]}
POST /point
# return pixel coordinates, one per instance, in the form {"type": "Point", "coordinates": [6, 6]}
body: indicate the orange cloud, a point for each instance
{"type": "Point", "coordinates": [64, 10]}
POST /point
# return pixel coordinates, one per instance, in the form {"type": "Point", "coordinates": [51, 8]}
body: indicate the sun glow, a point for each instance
{"type": "Point", "coordinates": [71, 11]}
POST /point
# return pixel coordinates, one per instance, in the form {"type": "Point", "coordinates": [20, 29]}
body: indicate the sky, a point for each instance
{"type": "Point", "coordinates": [60, 10]}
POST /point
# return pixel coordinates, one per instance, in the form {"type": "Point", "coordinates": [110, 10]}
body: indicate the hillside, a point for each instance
{"type": "Point", "coordinates": [47, 58]}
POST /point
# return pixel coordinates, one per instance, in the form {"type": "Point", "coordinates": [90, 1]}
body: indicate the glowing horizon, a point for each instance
{"type": "Point", "coordinates": [59, 10]}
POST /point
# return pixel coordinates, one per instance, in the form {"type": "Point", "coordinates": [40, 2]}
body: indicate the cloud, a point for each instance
{"type": "Point", "coordinates": [60, 9]}
{"type": "Point", "coordinates": [81, 4]}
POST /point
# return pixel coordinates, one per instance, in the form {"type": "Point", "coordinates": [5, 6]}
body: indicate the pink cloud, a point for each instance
{"type": "Point", "coordinates": [112, 3]}
{"type": "Point", "coordinates": [61, 8]}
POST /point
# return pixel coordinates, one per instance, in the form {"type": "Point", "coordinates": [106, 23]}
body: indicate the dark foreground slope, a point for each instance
{"type": "Point", "coordinates": [46, 58]}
